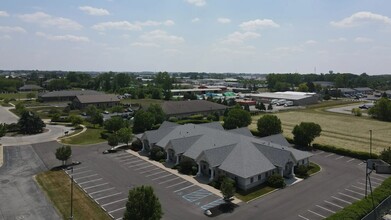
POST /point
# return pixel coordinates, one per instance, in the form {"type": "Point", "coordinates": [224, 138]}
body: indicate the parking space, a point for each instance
{"type": "Point", "coordinates": [168, 181]}
{"type": "Point", "coordinates": [345, 195]}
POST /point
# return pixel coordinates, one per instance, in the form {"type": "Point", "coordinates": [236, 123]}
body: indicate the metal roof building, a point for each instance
{"type": "Point", "coordinates": [298, 98]}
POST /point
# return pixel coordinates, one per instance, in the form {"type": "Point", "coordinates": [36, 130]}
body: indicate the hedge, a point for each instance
{"type": "Point", "coordinates": [182, 122]}
{"type": "Point", "coordinates": [361, 208]}
{"type": "Point", "coordinates": [346, 152]}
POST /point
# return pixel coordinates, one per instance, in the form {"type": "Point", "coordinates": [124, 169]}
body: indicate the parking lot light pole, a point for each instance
{"type": "Point", "coordinates": [71, 168]}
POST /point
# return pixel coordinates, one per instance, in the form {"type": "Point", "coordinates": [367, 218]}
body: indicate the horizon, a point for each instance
{"type": "Point", "coordinates": [251, 37]}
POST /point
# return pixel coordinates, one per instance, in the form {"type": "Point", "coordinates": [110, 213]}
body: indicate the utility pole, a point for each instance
{"type": "Point", "coordinates": [370, 143]}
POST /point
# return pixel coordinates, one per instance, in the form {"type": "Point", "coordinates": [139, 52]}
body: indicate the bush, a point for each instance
{"type": "Point", "coordinates": [301, 171]}
{"type": "Point", "coordinates": [173, 119]}
{"type": "Point", "coordinates": [346, 152]}
{"type": "Point", "coordinates": [386, 155]}
{"type": "Point", "coordinates": [186, 167]}
{"type": "Point", "coordinates": [136, 145]}
{"type": "Point", "coordinates": [105, 134]}
{"type": "Point", "coordinates": [157, 153]}
{"type": "Point", "coordinates": [182, 122]}
{"type": "Point", "coordinates": [217, 182]}
{"type": "Point", "coordinates": [356, 112]}
{"type": "Point", "coordinates": [326, 97]}
{"type": "Point", "coordinates": [275, 181]}
{"type": "Point", "coordinates": [196, 117]}
{"type": "Point", "coordinates": [13, 127]}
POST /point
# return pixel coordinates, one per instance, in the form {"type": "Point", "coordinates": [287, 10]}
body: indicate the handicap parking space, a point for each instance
{"type": "Point", "coordinates": [185, 190]}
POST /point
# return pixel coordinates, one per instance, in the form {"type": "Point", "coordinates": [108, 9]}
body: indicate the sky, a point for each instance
{"type": "Point", "coordinates": [242, 36]}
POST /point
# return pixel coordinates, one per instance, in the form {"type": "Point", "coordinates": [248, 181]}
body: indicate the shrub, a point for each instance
{"type": "Point", "coordinates": [346, 152]}
{"type": "Point", "coordinates": [186, 166]}
{"type": "Point", "coordinates": [326, 97]}
{"type": "Point", "coordinates": [173, 119]}
{"type": "Point", "coordinates": [157, 153]}
{"type": "Point", "coordinates": [197, 117]}
{"type": "Point", "coordinates": [386, 155]}
{"type": "Point", "coordinates": [13, 127]}
{"type": "Point", "coordinates": [275, 181]}
{"type": "Point", "coordinates": [301, 171]}
{"type": "Point", "coordinates": [136, 145]}
{"type": "Point", "coordinates": [182, 122]}
{"type": "Point", "coordinates": [356, 112]}
{"type": "Point", "coordinates": [104, 134]}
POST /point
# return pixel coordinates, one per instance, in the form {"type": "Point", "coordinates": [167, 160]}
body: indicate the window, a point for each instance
{"type": "Point", "coordinates": [259, 176]}
{"type": "Point", "coordinates": [252, 179]}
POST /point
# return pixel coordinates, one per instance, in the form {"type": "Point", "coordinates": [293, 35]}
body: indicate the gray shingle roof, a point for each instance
{"type": "Point", "coordinates": [190, 107]}
{"type": "Point", "coordinates": [277, 139]}
{"type": "Point", "coordinates": [85, 99]}
{"type": "Point", "coordinates": [30, 87]}
{"type": "Point", "coordinates": [216, 156]}
{"type": "Point", "coordinates": [242, 131]}
{"type": "Point", "coordinates": [181, 145]}
{"type": "Point", "coordinates": [278, 157]}
{"type": "Point", "coordinates": [68, 93]}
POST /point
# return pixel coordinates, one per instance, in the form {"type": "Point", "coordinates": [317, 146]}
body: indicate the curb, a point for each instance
{"type": "Point", "coordinates": [1, 155]}
{"type": "Point", "coordinates": [263, 195]}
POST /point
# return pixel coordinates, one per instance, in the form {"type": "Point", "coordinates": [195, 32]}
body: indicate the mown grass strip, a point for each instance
{"type": "Point", "coordinates": [56, 184]}
{"type": "Point", "coordinates": [90, 136]}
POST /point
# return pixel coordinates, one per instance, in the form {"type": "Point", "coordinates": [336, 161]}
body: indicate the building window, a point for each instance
{"type": "Point", "coordinates": [252, 179]}
{"type": "Point", "coordinates": [259, 176]}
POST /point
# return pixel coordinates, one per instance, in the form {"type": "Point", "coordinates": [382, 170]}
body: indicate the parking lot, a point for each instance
{"type": "Point", "coordinates": [345, 195]}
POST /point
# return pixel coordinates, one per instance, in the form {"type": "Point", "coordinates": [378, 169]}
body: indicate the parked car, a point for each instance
{"type": "Point", "coordinates": [366, 106]}
{"type": "Point", "coordinates": [281, 102]}
{"type": "Point", "coordinates": [110, 151]}
{"type": "Point", "coordinates": [105, 112]}
{"type": "Point", "coordinates": [274, 101]}
{"type": "Point", "coordinates": [288, 103]}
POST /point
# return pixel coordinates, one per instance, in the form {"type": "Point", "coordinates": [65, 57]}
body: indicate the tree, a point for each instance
{"type": "Point", "coordinates": [114, 124]}
{"type": "Point", "coordinates": [269, 125]}
{"type": "Point", "coordinates": [305, 133]}
{"type": "Point", "coordinates": [91, 110]}
{"type": "Point", "coordinates": [30, 95]}
{"type": "Point", "coordinates": [386, 155]}
{"type": "Point", "coordinates": [157, 112]}
{"type": "Point", "coordinates": [143, 204]}
{"type": "Point", "coordinates": [29, 123]}
{"type": "Point", "coordinates": [303, 87]}
{"type": "Point", "coordinates": [63, 153]}
{"type": "Point", "coordinates": [113, 140]}
{"type": "Point", "coordinates": [125, 135]}
{"type": "Point", "coordinates": [247, 107]}
{"type": "Point", "coordinates": [143, 121]}
{"type": "Point", "coordinates": [76, 120]}
{"type": "Point", "coordinates": [356, 112]}
{"type": "Point", "coordinates": [3, 129]}
{"type": "Point", "coordinates": [237, 118]}
{"type": "Point", "coordinates": [270, 107]}
{"type": "Point", "coordinates": [96, 119]}
{"type": "Point", "coordinates": [227, 188]}
{"type": "Point", "coordinates": [381, 110]}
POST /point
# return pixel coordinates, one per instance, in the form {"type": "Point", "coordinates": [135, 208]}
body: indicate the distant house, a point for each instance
{"type": "Point", "coordinates": [364, 90]}
{"type": "Point", "coordinates": [324, 84]}
{"type": "Point", "coordinates": [347, 91]}
{"type": "Point", "coordinates": [236, 153]}
{"type": "Point", "coordinates": [29, 88]}
{"type": "Point", "coordinates": [65, 95]}
{"type": "Point", "coordinates": [100, 101]}
{"type": "Point", "coordinates": [187, 108]}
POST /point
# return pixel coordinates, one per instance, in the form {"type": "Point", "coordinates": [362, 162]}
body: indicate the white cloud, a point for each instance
{"type": "Point", "coordinates": [360, 18]}
{"type": "Point", "coordinates": [4, 14]}
{"type": "Point", "coordinates": [144, 44]}
{"type": "Point", "coordinates": [94, 11]}
{"type": "Point", "coordinates": [5, 37]}
{"type": "Point", "coordinates": [198, 3]}
{"type": "Point", "coordinates": [161, 36]}
{"type": "Point", "coordinates": [118, 25]}
{"type": "Point", "coordinates": [341, 39]}
{"type": "Point", "coordinates": [286, 50]}
{"type": "Point", "coordinates": [71, 38]}
{"type": "Point", "coordinates": [194, 20]}
{"type": "Point", "coordinates": [311, 42]}
{"type": "Point", "coordinates": [224, 20]}
{"type": "Point", "coordinates": [46, 20]}
{"type": "Point", "coordinates": [9, 29]}
{"type": "Point", "coordinates": [156, 23]}
{"type": "Point", "coordinates": [362, 40]}
{"type": "Point", "coordinates": [258, 24]}
{"type": "Point", "coordinates": [238, 37]}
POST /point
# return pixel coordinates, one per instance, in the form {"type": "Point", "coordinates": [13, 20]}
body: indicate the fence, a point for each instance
{"type": "Point", "coordinates": [382, 209]}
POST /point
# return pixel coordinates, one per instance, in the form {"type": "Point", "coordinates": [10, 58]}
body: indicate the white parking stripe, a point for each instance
{"type": "Point", "coordinates": [342, 200]}
{"type": "Point", "coordinates": [149, 170]}
{"type": "Point", "coordinates": [349, 196]}
{"type": "Point", "coordinates": [380, 176]}
{"type": "Point", "coordinates": [320, 153]}
{"type": "Point", "coordinates": [82, 172]}
{"type": "Point", "coordinates": [349, 190]}
{"type": "Point", "coordinates": [184, 188]}
{"type": "Point", "coordinates": [176, 184]}
{"type": "Point", "coordinates": [90, 181]}
{"type": "Point", "coordinates": [119, 218]}
{"type": "Point", "coordinates": [358, 187]}
{"type": "Point", "coordinates": [360, 163]}
{"type": "Point", "coordinates": [160, 177]}
{"type": "Point", "coordinates": [127, 159]}
{"type": "Point", "coordinates": [86, 176]}
{"type": "Point", "coordinates": [116, 210]}
{"type": "Point", "coordinates": [350, 160]}
{"type": "Point", "coordinates": [134, 162]}
{"type": "Point", "coordinates": [329, 155]}
{"type": "Point", "coordinates": [103, 190]}
{"type": "Point", "coordinates": [144, 167]}
{"type": "Point", "coordinates": [79, 168]}
{"type": "Point", "coordinates": [90, 187]}
{"type": "Point", "coordinates": [333, 204]}
{"type": "Point", "coordinates": [153, 174]}
{"type": "Point", "coordinates": [108, 196]}
{"type": "Point", "coordinates": [316, 214]}
{"type": "Point", "coordinates": [325, 209]}
{"type": "Point", "coordinates": [120, 200]}
{"type": "Point", "coordinates": [175, 178]}
{"type": "Point", "coordinates": [303, 217]}
{"type": "Point", "coordinates": [376, 180]}
{"type": "Point", "coordinates": [339, 157]}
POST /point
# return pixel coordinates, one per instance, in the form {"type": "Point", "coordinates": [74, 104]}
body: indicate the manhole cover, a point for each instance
{"type": "Point", "coordinates": [4, 181]}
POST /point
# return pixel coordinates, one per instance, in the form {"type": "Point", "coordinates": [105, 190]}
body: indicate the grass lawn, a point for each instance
{"type": "Point", "coordinates": [145, 103]}
{"type": "Point", "coordinates": [253, 193]}
{"type": "Point", "coordinates": [90, 136]}
{"type": "Point", "coordinates": [56, 184]}
{"type": "Point", "coordinates": [339, 130]}
{"type": "Point", "coordinates": [19, 95]}
{"type": "Point", "coordinates": [314, 168]}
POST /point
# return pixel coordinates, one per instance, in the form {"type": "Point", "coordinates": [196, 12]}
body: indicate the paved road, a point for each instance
{"type": "Point", "coordinates": [20, 196]}
{"type": "Point", "coordinates": [347, 109]}
{"type": "Point", "coordinates": [7, 116]}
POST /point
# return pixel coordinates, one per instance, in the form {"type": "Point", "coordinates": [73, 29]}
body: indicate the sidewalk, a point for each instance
{"type": "Point", "coordinates": [186, 177]}
{"type": "Point", "coordinates": [1, 155]}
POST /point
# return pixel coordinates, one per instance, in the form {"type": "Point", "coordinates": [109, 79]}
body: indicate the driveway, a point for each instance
{"type": "Point", "coordinates": [20, 196]}
{"type": "Point", "coordinates": [347, 109]}
{"type": "Point", "coordinates": [7, 116]}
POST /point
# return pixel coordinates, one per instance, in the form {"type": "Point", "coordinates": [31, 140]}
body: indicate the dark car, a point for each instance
{"type": "Point", "coordinates": [110, 151]}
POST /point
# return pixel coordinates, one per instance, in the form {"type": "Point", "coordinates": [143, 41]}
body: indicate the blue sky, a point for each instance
{"type": "Point", "coordinates": [253, 36]}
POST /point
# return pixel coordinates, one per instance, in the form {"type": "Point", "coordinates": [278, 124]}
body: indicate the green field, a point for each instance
{"type": "Point", "coordinates": [339, 130]}
{"type": "Point", "coordinates": [56, 184]}
{"type": "Point", "coordinates": [90, 136]}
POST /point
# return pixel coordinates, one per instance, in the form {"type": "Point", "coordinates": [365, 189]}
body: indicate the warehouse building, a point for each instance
{"type": "Point", "coordinates": [298, 98]}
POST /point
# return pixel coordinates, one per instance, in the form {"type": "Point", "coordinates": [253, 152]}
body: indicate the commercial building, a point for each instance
{"type": "Point", "coordinates": [298, 98]}
{"type": "Point", "coordinates": [182, 109]}
{"type": "Point", "coordinates": [65, 95]}
{"type": "Point", "coordinates": [100, 101]}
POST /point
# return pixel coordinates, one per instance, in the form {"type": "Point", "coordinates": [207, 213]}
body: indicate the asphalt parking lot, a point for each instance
{"type": "Point", "coordinates": [107, 178]}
